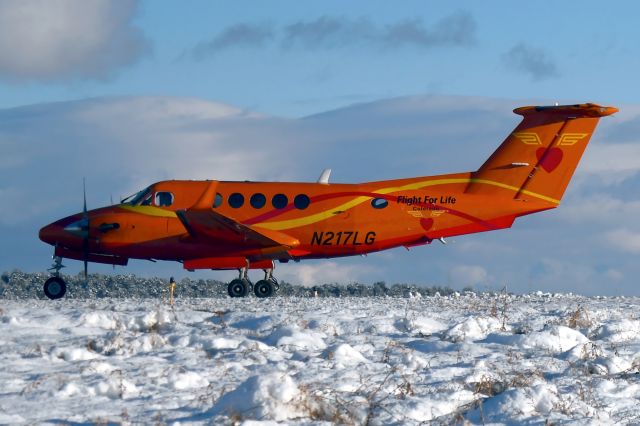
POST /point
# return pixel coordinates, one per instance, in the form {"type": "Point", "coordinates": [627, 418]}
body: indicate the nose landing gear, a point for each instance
{"type": "Point", "coordinates": [55, 287]}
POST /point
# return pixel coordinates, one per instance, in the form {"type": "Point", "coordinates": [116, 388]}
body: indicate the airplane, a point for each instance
{"type": "Point", "coordinates": [224, 225]}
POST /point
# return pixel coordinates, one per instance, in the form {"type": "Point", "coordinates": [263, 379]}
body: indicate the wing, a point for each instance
{"type": "Point", "coordinates": [202, 222]}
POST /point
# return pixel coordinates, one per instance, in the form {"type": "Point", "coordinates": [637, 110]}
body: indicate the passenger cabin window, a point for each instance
{"type": "Point", "coordinates": [301, 201]}
{"type": "Point", "coordinates": [258, 201]}
{"type": "Point", "coordinates": [217, 202]}
{"type": "Point", "coordinates": [164, 199]}
{"type": "Point", "coordinates": [236, 200]}
{"type": "Point", "coordinates": [379, 203]}
{"type": "Point", "coordinates": [279, 201]}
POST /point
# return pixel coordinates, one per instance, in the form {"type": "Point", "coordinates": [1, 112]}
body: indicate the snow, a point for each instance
{"type": "Point", "coordinates": [344, 355]}
{"type": "Point", "coordinates": [275, 396]}
{"type": "Point", "coordinates": [480, 359]}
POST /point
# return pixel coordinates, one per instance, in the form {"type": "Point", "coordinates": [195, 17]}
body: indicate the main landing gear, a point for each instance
{"type": "Point", "coordinates": [241, 286]}
{"type": "Point", "coordinates": [55, 287]}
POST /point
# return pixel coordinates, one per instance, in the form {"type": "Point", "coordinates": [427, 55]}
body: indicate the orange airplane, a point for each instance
{"type": "Point", "coordinates": [251, 225]}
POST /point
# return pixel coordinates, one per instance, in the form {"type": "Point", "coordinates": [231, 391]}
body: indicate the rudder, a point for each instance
{"type": "Point", "coordinates": [538, 159]}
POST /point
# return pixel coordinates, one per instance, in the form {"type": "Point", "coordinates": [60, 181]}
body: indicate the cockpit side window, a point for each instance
{"type": "Point", "coordinates": [146, 201]}
{"type": "Point", "coordinates": [163, 199]}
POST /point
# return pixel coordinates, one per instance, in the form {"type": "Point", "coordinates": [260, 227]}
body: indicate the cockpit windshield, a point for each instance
{"type": "Point", "coordinates": [138, 198]}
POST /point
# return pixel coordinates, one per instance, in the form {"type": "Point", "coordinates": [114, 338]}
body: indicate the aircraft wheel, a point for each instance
{"type": "Point", "coordinates": [55, 288]}
{"type": "Point", "coordinates": [264, 288]}
{"type": "Point", "coordinates": [238, 288]}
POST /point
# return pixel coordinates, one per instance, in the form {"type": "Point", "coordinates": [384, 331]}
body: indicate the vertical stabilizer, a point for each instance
{"type": "Point", "coordinates": [537, 160]}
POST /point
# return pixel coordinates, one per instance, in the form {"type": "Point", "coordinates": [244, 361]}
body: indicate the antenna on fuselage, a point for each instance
{"type": "Point", "coordinates": [324, 176]}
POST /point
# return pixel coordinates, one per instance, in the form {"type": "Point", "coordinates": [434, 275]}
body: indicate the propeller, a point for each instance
{"type": "Point", "coordinates": [81, 229]}
{"type": "Point", "coordinates": [85, 235]}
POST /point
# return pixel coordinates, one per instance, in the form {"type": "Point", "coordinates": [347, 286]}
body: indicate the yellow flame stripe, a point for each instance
{"type": "Point", "coordinates": [307, 220]}
{"type": "Point", "coordinates": [149, 210]}
{"type": "Point", "coordinates": [317, 217]}
{"type": "Point", "coordinates": [516, 189]}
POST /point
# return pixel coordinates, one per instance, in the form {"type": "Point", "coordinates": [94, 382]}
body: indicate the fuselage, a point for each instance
{"type": "Point", "coordinates": [328, 220]}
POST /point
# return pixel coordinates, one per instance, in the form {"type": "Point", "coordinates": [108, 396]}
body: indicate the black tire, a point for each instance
{"type": "Point", "coordinates": [264, 288]}
{"type": "Point", "coordinates": [238, 288]}
{"type": "Point", "coordinates": [55, 288]}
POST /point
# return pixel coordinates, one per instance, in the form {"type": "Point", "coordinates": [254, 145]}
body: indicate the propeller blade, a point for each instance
{"type": "Point", "coordinates": [84, 193]}
{"type": "Point", "coordinates": [85, 240]}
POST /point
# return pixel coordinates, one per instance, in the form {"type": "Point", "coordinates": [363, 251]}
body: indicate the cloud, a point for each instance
{"type": "Point", "coordinates": [557, 275]}
{"type": "Point", "coordinates": [122, 144]}
{"type": "Point", "coordinates": [337, 32]}
{"type": "Point", "coordinates": [454, 30]}
{"type": "Point", "coordinates": [328, 32]}
{"type": "Point", "coordinates": [468, 275]}
{"type": "Point", "coordinates": [624, 239]}
{"type": "Point", "coordinates": [615, 159]}
{"type": "Point", "coordinates": [600, 208]}
{"type": "Point", "coordinates": [55, 40]}
{"type": "Point", "coordinates": [239, 35]}
{"type": "Point", "coordinates": [326, 272]}
{"type": "Point", "coordinates": [532, 61]}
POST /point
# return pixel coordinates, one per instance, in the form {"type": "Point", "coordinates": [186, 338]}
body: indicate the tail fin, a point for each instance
{"type": "Point", "coordinates": [537, 160]}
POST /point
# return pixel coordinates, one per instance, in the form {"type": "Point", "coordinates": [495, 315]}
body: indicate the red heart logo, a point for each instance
{"type": "Point", "coordinates": [426, 223]}
{"type": "Point", "coordinates": [549, 159]}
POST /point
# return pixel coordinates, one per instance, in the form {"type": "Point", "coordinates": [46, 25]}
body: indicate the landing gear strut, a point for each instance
{"type": "Point", "coordinates": [55, 287]}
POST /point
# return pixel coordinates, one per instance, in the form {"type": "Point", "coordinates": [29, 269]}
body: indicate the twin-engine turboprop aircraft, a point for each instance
{"type": "Point", "coordinates": [250, 225]}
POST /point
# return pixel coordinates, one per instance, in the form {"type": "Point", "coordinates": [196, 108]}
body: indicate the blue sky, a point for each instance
{"type": "Point", "coordinates": [523, 51]}
{"type": "Point", "coordinates": [129, 92]}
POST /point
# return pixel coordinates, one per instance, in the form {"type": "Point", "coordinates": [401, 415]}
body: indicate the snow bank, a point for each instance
{"type": "Point", "coordinates": [292, 337]}
{"type": "Point", "coordinates": [518, 404]}
{"type": "Point", "coordinates": [101, 319]}
{"type": "Point", "coordinates": [421, 325]}
{"type": "Point", "coordinates": [472, 328]}
{"type": "Point", "coordinates": [555, 338]}
{"type": "Point", "coordinates": [151, 321]}
{"type": "Point", "coordinates": [344, 355]}
{"type": "Point", "coordinates": [429, 408]}
{"type": "Point", "coordinates": [619, 331]}
{"type": "Point", "coordinates": [273, 396]}
{"type": "Point", "coordinates": [73, 354]}
{"type": "Point", "coordinates": [188, 380]}
{"type": "Point", "coordinates": [117, 343]}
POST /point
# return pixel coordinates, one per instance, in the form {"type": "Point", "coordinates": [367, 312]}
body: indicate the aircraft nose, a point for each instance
{"type": "Point", "coordinates": [68, 231]}
{"type": "Point", "coordinates": [52, 233]}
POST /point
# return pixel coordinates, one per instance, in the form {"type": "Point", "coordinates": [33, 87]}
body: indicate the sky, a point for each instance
{"type": "Point", "coordinates": [126, 93]}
